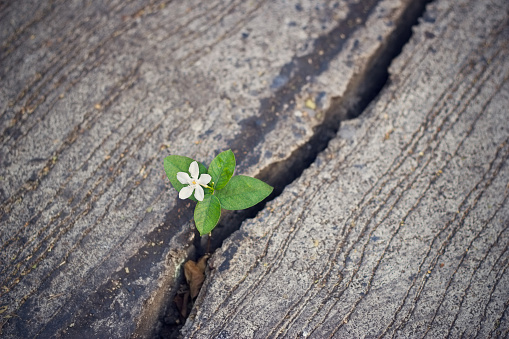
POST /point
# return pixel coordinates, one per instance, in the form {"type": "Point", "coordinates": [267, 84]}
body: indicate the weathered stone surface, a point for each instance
{"type": "Point", "coordinates": [94, 95]}
{"type": "Point", "coordinates": [401, 227]}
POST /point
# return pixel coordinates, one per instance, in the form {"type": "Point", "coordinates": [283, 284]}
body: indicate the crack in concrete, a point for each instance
{"type": "Point", "coordinates": [362, 90]}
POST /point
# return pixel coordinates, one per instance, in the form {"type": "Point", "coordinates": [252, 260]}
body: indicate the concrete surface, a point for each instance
{"type": "Point", "coordinates": [401, 226]}
{"type": "Point", "coordinates": [94, 95]}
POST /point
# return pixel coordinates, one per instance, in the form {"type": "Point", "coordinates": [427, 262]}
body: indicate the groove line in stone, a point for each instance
{"type": "Point", "coordinates": [500, 274]}
{"type": "Point", "coordinates": [46, 238]}
{"type": "Point", "coordinates": [36, 19]}
{"type": "Point", "coordinates": [474, 271]}
{"type": "Point", "coordinates": [71, 50]}
{"type": "Point", "coordinates": [477, 267]}
{"type": "Point", "coordinates": [499, 321]}
{"type": "Point", "coordinates": [71, 54]}
{"type": "Point", "coordinates": [368, 287]}
{"type": "Point", "coordinates": [63, 186]}
{"type": "Point", "coordinates": [352, 247]}
{"type": "Point", "coordinates": [100, 218]}
{"type": "Point", "coordinates": [389, 195]}
{"type": "Point", "coordinates": [91, 117]}
{"type": "Point", "coordinates": [467, 209]}
{"type": "Point", "coordinates": [458, 149]}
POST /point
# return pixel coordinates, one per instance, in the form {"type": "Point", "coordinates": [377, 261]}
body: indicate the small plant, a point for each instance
{"type": "Point", "coordinates": [214, 188]}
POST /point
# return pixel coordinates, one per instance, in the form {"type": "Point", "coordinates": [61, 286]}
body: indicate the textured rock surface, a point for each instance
{"type": "Point", "coordinates": [401, 227]}
{"type": "Point", "coordinates": [94, 95]}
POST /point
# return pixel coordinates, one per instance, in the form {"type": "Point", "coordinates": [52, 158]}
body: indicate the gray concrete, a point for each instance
{"type": "Point", "coordinates": [401, 227]}
{"type": "Point", "coordinates": [94, 95]}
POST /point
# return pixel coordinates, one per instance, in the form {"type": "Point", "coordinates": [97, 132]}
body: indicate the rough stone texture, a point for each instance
{"type": "Point", "coordinates": [401, 227]}
{"type": "Point", "coordinates": [94, 95]}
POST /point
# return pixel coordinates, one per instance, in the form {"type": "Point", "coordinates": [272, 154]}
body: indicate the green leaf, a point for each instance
{"type": "Point", "coordinates": [242, 192]}
{"type": "Point", "coordinates": [206, 214]}
{"type": "Point", "coordinates": [177, 163]}
{"type": "Point", "coordinates": [221, 169]}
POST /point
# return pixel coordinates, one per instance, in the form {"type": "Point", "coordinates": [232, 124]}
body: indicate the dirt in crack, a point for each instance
{"type": "Point", "coordinates": [362, 89]}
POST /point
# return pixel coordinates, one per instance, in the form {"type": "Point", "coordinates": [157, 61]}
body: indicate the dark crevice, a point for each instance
{"type": "Point", "coordinates": [362, 90]}
{"type": "Point", "coordinates": [360, 93]}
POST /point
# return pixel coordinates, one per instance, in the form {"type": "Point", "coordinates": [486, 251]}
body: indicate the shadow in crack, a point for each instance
{"type": "Point", "coordinates": [362, 90]}
{"type": "Point", "coordinates": [360, 93]}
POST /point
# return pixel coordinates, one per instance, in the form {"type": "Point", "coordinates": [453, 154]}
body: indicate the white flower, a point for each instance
{"type": "Point", "coordinates": [194, 182]}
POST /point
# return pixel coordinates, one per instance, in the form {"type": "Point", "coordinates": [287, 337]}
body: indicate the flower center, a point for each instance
{"type": "Point", "coordinates": [194, 182]}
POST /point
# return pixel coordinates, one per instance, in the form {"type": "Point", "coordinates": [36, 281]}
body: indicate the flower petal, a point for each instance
{"type": "Point", "coordinates": [204, 179]}
{"type": "Point", "coordinates": [198, 193]}
{"type": "Point", "coordinates": [184, 178]}
{"type": "Point", "coordinates": [194, 170]}
{"type": "Point", "coordinates": [186, 192]}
